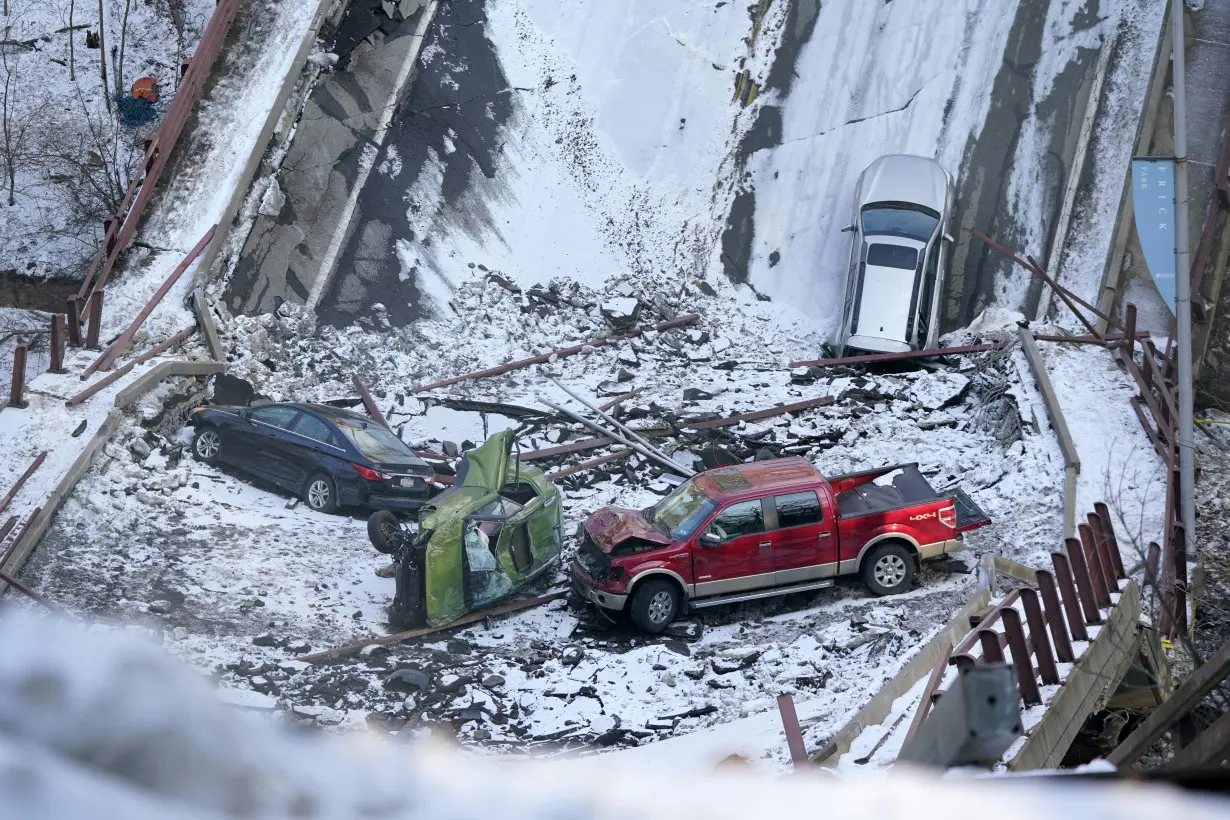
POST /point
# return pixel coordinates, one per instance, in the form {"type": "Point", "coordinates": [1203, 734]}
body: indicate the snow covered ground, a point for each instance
{"type": "Point", "coordinates": [238, 584]}
{"type": "Point", "coordinates": [101, 725]}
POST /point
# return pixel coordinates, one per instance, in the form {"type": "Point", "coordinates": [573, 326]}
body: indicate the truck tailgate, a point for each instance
{"type": "Point", "coordinates": [969, 515]}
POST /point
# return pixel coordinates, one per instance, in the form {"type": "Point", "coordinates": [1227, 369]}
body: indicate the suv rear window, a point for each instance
{"type": "Point", "coordinates": [797, 509]}
{"type": "Point", "coordinates": [892, 256]}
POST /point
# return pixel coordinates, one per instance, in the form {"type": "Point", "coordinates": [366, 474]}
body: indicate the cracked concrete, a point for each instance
{"type": "Point", "coordinates": [337, 132]}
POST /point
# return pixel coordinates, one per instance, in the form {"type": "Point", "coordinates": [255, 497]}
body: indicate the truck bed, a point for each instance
{"type": "Point", "coordinates": [908, 488]}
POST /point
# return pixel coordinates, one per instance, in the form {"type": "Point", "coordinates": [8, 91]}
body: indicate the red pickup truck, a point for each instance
{"type": "Point", "coordinates": [763, 529]}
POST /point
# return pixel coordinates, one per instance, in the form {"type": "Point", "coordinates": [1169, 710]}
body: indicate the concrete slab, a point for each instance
{"type": "Point", "coordinates": [295, 237]}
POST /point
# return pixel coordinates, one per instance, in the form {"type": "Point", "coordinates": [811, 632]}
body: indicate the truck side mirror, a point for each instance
{"type": "Point", "coordinates": [709, 540]}
{"type": "Point", "coordinates": [847, 229]}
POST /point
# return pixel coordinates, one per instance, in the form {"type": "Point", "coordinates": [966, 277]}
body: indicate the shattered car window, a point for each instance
{"type": "Point", "coordinates": [487, 578]}
{"type": "Point", "coordinates": [681, 512]}
{"type": "Point", "coordinates": [375, 442]}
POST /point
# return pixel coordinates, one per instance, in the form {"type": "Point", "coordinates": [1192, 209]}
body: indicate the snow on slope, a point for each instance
{"type": "Point", "coordinates": [870, 82]}
{"type": "Point", "coordinates": [622, 131]}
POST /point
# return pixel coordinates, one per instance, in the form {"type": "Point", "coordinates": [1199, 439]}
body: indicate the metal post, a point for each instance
{"type": "Point", "coordinates": [57, 344]}
{"type": "Point", "coordinates": [1183, 285]}
{"type": "Point", "coordinates": [794, 735]}
{"type": "Point", "coordinates": [17, 390]}
{"type": "Point", "coordinates": [94, 324]}
{"type": "Point", "coordinates": [74, 321]}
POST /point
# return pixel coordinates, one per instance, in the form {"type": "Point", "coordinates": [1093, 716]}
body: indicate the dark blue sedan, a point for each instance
{"type": "Point", "coordinates": [327, 456]}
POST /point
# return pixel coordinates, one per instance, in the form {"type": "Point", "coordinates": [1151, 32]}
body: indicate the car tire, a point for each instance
{"type": "Point", "coordinates": [383, 531]}
{"type": "Point", "coordinates": [655, 603]}
{"type": "Point", "coordinates": [889, 569]}
{"type": "Point", "coordinates": [208, 444]}
{"type": "Point", "coordinates": [320, 493]}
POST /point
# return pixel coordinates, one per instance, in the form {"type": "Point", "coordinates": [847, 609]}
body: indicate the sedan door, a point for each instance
{"type": "Point", "coordinates": [744, 557]}
{"type": "Point", "coordinates": [310, 448]}
{"type": "Point", "coordinates": [268, 432]}
{"type": "Point", "coordinates": [805, 547]}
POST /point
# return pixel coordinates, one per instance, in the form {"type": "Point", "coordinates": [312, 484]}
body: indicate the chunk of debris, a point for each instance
{"type": "Point", "coordinates": [622, 312]}
{"type": "Point", "coordinates": [407, 679]}
{"type": "Point", "coordinates": [936, 390]}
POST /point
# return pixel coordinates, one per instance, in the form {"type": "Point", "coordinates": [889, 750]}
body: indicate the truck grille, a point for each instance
{"type": "Point", "coordinates": [596, 562]}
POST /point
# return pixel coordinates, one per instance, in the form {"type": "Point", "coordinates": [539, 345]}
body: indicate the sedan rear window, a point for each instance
{"type": "Point", "coordinates": [375, 442]}
{"type": "Point", "coordinates": [313, 428]}
{"type": "Point", "coordinates": [892, 256]}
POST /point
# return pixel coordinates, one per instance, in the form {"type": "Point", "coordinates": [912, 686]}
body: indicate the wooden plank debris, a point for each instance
{"type": "Point", "coordinates": [398, 637]}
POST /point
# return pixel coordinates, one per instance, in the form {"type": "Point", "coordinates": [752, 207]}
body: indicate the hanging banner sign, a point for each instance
{"type": "Point", "coordinates": [1153, 202]}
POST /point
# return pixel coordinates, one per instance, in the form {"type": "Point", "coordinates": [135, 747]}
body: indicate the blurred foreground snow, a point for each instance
{"type": "Point", "coordinates": [96, 724]}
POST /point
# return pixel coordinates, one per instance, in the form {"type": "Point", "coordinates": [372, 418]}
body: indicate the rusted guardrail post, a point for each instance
{"type": "Point", "coordinates": [1108, 530]}
{"type": "Point", "coordinates": [73, 308]}
{"type": "Point", "coordinates": [17, 389]}
{"type": "Point", "coordinates": [1071, 601]}
{"type": "Point", "coordinates": [794, 735]}
{"type": "Point", "coordinates": [1101, 584]}
{"type": "Point", "coordinates": [94, 326]}
{"type": "Point", "coordinates": [992, 652]}
{"type": "Point", "coordinates": [57, 344]}
{"type": "Point", "coordinates": [1054, 617]}
{"type": "Point", "coordinates": [1037, 636]}
{"type": "Point", "coordinates": [1084, 585]}
{"type": "Point", "coordinates": [1109, 572]}
{"type": "Point", "coordinates": [1020, 657]}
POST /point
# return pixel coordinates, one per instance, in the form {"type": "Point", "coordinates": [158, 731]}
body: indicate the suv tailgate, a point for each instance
{"type": "Point", "coordinates": [969, 515]}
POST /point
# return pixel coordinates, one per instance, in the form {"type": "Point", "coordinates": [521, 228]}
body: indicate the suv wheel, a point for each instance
{"type": "Point", "coordinates": [320, 494]}
{"type": "Point", "coordinates": [889, 569]}
{"type": "Point", "coordinates": [654, 605]}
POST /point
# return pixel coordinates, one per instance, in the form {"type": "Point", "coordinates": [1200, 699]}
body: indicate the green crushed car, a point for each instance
{"type": "Point", "coordinates": [498, 528]}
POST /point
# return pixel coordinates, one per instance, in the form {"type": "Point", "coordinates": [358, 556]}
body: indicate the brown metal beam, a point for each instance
{"type": "Point", "coordinates": [384, 640]}
{"type": "Point", "coordinates": [370, 403]}
{"type": "Point", "coordinates": [929, 694]}
{"type": "Point", "coordinates": [896, 357]}
{"type": "Point", "coordinates": [116, 375]}
{"type": "Point", "coordinates": [585, 465]}
{"type": "Point", "coordinates": [1205, 679]}
{"type": "Point", "coordinates": [116, 348]}
{"type": "Point", "coordinates": [12, 493]}
{"type": "Point", "coordinates": [543, 358]}
{"type": "Point", "coordinates": [757, 415]}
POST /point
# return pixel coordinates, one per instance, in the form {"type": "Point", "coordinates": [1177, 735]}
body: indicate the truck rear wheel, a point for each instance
{"type": "Point", "coordinates": [655, 604]}
{"type": "Point", "coordinates": [889, 569]}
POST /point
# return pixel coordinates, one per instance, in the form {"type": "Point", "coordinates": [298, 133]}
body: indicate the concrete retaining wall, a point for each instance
{"type": "Point", "coordinates": [874, 713]}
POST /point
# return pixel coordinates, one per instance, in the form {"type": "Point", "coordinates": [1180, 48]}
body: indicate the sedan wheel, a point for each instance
{"type": "Point", "coordinates": [208, 444]}
{"type": "Point", "coordinates": [321, 494]}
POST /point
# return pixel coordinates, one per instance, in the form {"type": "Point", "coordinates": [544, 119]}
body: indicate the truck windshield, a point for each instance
{"type": "Point", "coordinates": [680, 513]}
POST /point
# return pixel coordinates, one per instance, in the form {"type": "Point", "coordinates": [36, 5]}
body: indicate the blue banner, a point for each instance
{"type": "Point", "coordinates": [1153, 201]}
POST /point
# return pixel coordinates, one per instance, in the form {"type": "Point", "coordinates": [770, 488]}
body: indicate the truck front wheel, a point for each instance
{"type": "Point", "coordinates": [654, 605]}
{"type": "Point", "coordinates": [889, 569]}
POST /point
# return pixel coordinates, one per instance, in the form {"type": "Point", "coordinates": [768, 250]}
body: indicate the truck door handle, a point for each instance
{"type": "Point", "coordinates": [764, 545]}
{"type": "Point", "coordinates": [825, 535]}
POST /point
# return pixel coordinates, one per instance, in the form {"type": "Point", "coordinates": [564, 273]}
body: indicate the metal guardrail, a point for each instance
{"type": "Point", "coordinates": [121, 226]}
